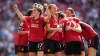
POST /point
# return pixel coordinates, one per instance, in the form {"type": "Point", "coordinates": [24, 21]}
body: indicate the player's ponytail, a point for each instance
{"type": "Point", "coordinates": [61, 15]}
{"type": "Point", "coordinates": [29, 12]}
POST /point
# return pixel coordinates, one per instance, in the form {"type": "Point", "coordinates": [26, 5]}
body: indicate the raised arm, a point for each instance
{"type": "Point", "coordinates": [47, 13]}
{"type": "Point", "coordinates": [20, 15]}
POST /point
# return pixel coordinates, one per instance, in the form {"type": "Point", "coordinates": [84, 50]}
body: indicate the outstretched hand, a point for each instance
{"type": "Point", "coordinates": [15, 6]}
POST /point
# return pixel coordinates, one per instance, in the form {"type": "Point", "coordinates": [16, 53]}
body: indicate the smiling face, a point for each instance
{"type": "Point", "coordinates": [53, 9]}
{"type": "Point", "coordinates": [70, 12]}
{"type": "Point", "coordinates": [35, 12]}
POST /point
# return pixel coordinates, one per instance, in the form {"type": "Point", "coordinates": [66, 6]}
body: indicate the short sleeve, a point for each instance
{"type": "Point", "coordinates": [65, 22]}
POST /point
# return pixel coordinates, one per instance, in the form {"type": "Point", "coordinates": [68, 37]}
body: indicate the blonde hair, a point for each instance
{"type": "Point", "coordinates": [50, 6]}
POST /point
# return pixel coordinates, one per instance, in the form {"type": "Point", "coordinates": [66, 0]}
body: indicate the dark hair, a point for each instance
{"type": "Point", "coordinates": [39, 10]}
{"type": "Point", "coordinates": [72, 11]}
{"type": "Point", "coordinates": [39, 7]}
{"type": "Point", "coordinates": [60, 15]}
{"type": "Point", "coordinates": [29, 12]}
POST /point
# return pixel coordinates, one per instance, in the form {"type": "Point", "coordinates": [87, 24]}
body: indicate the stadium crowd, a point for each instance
{"type": "Point", "coordinates": [87, 10]}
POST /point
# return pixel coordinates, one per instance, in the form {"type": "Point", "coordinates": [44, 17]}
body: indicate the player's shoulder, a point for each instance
{"type": "Point", "coordinates": [77, 20]}
{"type": "Point", "coordinates": [28, 16]}
{"type": "Point", "coordinates": [41, 17]}
{"type": "Point", "coordinates": [85, 24]}
{"type": "Point", "coordinates": [64, 20]}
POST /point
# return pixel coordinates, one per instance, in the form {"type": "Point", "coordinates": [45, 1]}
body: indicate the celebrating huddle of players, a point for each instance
{"type": "Point", "coordinates": [53, 33]}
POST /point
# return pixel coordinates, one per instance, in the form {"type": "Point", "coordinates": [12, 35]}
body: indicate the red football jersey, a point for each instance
{"type": "Point", "coordinates": [71, 35]}
{"type": "Point", "coordinates": [22, 39]}
{"type": "Point", "coordinates": [61, 34]}
{"type": "Point", "coordinates": [53, 24]}
{"type": "Point", "coordinates": [87, 32]}
{"type": "Point", "coordinates": [36, 29]}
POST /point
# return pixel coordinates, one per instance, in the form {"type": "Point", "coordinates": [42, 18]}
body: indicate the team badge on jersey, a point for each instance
{"type": "Point", "coordinates": [22, 49]}
{"type": "Point", "coordinates": [48, 50]}
{"type": "Point", "coordinates": [34, 25]}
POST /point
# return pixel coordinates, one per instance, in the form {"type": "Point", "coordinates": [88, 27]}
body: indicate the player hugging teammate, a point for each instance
{"type": "Point", "coordinates": [53, 33]}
